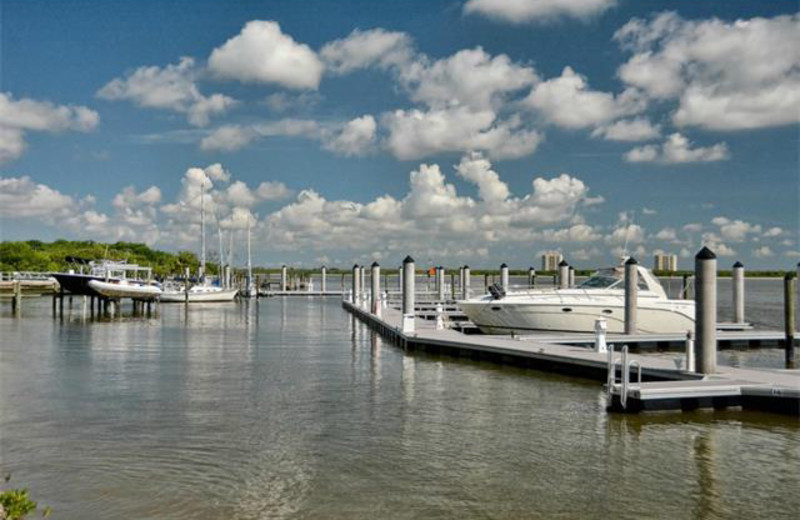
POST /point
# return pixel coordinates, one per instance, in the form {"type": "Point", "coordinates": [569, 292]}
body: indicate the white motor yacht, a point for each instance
{"type": "Point", "coordinates": [577, 309]}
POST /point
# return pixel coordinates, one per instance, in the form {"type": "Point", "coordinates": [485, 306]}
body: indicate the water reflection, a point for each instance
{"type": "Point", "coordinates": [287, 407]}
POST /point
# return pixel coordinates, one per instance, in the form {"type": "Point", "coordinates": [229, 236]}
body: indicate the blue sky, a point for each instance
{"type": "Point", "coordinates": [476, 131]}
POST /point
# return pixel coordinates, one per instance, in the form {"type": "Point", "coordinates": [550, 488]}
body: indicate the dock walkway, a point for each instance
{"type": "Point", "coordinates": [663, 385]}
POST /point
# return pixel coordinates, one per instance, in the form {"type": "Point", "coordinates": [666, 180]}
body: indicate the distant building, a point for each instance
{"type": "Point", "coordinates": [666, 263]}
{"type": "Point", "coordinates": [550, 261]}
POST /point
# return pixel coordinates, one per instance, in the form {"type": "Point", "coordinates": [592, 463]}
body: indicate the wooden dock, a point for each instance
{"type": "Point", "coordinates": [663, 385]}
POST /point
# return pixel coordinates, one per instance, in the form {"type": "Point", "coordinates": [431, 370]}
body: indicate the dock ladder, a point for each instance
{"type": "Point", "coordinates": [622, 388]}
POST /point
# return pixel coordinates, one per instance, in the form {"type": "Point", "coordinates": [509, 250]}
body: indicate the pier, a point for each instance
{"type": "Point", "coordinates": [660, 383]}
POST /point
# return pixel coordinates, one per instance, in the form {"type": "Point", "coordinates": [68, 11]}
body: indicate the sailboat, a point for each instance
{"type": "Point", "coordinates": [203, 291]}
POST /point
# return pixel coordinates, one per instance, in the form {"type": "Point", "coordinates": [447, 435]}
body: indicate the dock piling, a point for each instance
{"type": "Point", "coordinates": [440, 285]}
{"type": "Point", "coordinates": [504, 277]}
{"type": "Point", "coordinates": [705, 323]}
{"type": "Point", "coordinates": [563, 275]}
{"type": "Point", "coordinates": [738, 292]}
{"type": "Point", "coordinates": [571, 276]}
{"type": "Point", "coordinates": [324, 279]}
{"type": "Point", "coordinates": [355, 292]}
{"type": "Point", "coordinates": [375, 294]}
{"type": "Point", "coordinates": [690, 363]}
{"type": "Point", "coordinates": [409, 275]}
{"type": "Point", "coordinates": [789, 316]}
{"type": "Point", "coordinates": [283, 277]}
{"type": "Point", "coordinates": [531, 277]}
{"type": "Point", "coordinates": [631, 294]}
{"type": "Point", "coordinates": [465, 285]}
{"type": "Point", "coordinates": [16, 302]}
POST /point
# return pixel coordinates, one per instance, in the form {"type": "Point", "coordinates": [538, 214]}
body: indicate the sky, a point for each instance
{"type": "Point", "coordinates": [458, 131]}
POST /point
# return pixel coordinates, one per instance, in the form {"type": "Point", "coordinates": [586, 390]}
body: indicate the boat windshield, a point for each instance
{"type": "Point", "coordinates": [600, 281]}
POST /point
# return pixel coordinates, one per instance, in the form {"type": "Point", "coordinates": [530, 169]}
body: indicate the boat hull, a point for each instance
{"type": "Point", "coordinates": [76, 283]}
{"type": "Point", "coordinates": [124, 290]}
{"type": "Point", "coordinates": [499, 317]}
{"type": "Point", "coordinates": [225, 295]}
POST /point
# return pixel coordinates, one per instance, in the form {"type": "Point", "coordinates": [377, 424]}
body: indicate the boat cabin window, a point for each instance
{"type": "Point", "coordinates": [600, 281]}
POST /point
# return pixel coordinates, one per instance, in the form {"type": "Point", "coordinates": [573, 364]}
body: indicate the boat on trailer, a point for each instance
{"type": "Point", "coordinates": [577, 309]}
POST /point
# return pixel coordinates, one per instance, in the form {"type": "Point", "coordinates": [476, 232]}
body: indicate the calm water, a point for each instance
{"type": "Point", "coordinates": [287, 408]}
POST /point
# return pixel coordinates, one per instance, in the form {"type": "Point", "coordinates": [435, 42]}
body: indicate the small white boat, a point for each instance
{"type": "Point", "coordinates": [577, 309]}
{"type": "Point", "coordinates": [122, 288]}
{"type": "Point", "coordinates": [198, 294]}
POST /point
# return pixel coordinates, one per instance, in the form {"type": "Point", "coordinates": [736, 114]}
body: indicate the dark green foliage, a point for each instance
{"type": "Point", "coordinates": [16, 503]}
{"type": "Point", "coordinates": [34, 255]}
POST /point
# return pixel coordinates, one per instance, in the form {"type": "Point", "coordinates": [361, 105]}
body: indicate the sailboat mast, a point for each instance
{"type": "Point", "coordinates": [203, 228]}
{"type": "Point", "coordinates": [221, 253]}
{"type": "Point", "coordinates": [249, 260]}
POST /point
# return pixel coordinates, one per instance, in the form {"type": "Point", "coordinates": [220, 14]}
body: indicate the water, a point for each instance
{"type": "Point", "coordinates": [288, 408]}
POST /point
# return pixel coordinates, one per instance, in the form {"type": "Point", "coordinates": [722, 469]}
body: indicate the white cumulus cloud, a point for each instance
{"type": "Point", "coordinates": [725, 75]}
{"type": "Point", "coordinates": [262, 53]}
{"type": "Point", "coordinates": [19, 116]}
{"type": "Point", "coordinates": [678, 149]}
{"type": "Point", "coordinates": [520, 11]}
{"type": "Point", "coordinates": [567, 101]}
{"type": "Point", "coordinates": [170, 88]}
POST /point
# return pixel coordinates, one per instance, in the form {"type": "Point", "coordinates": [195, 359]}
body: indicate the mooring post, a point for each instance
{"type": "Point", "coordinates": [563, 275]}
{"type": "Point", "coordinates": [465, 285]}
{"type": "Point", "coordinates": [440, 285]}
{"type": "Point", "coordinates": [600, 330]}
{"type": "Point", "coordinates": [738, 292]}
{"type": "Point", "coordinates": [375, 295]}
{"type": "Point", "coordinates": [685, 288]}
{"type": "Point", "coordinates": [486, 282]}
{"type": "Point", "coordinates": [283, 277]}
{"type": "Point", "coordinates": [323, 279]}
{"type": "Point", "coordinates": [409, 274]}
{"type": "Point", "coordinates": [531, 277]}
{"type": "Point", "coordinates": [571, 276]}
{"type": "Point", "coordinates": [452, 286]}
{"type": "Point", "coordinates": [504, 277]}
{"type": "Point", "coordinates": [705, 321]}
{"type": "Point", "coordinates": [690, 363]}
{"type": "Point", "coordinates": [16, 304]}
{"type": "Point", "coordinates": [460, 279]}
{"type": "Point", "coordinates": [789, 316]}
{"type": "Point", "coordinates": [362, 287]}
{"type": "Point", "coordinates": [356, 272]}
{"type": "Point", "coordinates": [631, 294]}
{"type": "Point", "coordinates": [400, 279]}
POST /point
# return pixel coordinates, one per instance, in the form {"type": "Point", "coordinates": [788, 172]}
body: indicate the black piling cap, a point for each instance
{"type": "Point", "coordinates": [466, 267]}
{"type": "Point", "coordinates": [705, 254]}
{"type": "Point", "coordinates": [408, 260]}
{"type": "Point", "coordinates": [563, 263]}
{"type": "Point", "coordinates": [738, 264]}
{"type": "Point", "coordinates": [355, 266]}
{"type": "Point", "coordinates": [789, 276]}
{"type": "Point", "coordinates": [531, 268]}
{"type": "Point", "coordinates": [441, 268]}
{"type": "Point", "coordinates": [631, 261]}
{"type": "Point", "coordinates": [375, 264]}
{"type": "Point", "coordinates": [503, 265]}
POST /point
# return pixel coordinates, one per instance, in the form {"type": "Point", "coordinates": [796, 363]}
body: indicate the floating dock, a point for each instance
{"type": "Point", "coordinates": [660, 383]}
